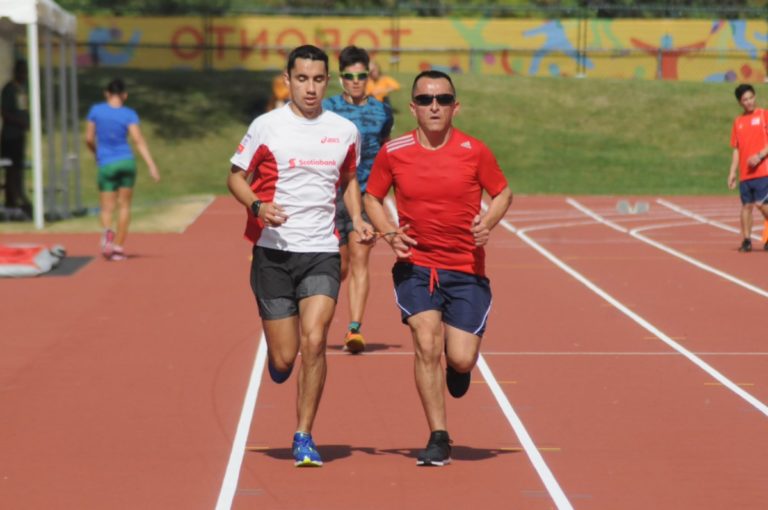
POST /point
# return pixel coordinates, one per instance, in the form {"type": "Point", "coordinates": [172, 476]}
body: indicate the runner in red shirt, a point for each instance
{"type": "Point", "coordinates": [749, 139]}
{"type": "Point", "coordinates": [439, 174]}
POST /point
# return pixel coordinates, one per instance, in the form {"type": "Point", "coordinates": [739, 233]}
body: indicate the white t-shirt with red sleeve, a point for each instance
{"type": "Point", "coordinates": [298, 163]}
{"type": "Point", "coordinates": [438, 193]}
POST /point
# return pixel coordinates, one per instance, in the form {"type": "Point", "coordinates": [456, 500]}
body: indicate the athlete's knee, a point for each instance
{"type": "Point", "coordinates": [108, 205]}
{"type": "Point", "coordinates": [463, 362]}
{"type": "Point", "coordinates": [313, 343]}
{"type": "Point", "coordinates": [282, 360]}
{"type": "Point", "coordinates": [427, 346]}
{"type": "Point", "coordinates": [359, 269]}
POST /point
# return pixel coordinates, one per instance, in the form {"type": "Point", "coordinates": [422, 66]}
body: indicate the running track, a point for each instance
{"type": "Point", "coordinates": [624, 367]}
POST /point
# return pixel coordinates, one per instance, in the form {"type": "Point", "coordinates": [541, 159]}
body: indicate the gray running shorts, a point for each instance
{"type": "Point", "coordinates": [280, 279]}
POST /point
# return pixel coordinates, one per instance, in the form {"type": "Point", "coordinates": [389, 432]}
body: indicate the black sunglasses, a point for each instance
{"type": "Point", "coordinates": [442, 99]}
{"type": "Point", "coordinates": [355, 76]}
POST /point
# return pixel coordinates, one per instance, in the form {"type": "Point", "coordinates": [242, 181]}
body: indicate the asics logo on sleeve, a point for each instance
{"type": "Point", "coordinates": [243, 143]}
{"type": "Point", "coordinates": [328, 139]}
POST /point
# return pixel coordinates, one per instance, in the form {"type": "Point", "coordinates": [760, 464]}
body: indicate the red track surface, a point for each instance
{"type": "Point", "coordinates": [122, 385]}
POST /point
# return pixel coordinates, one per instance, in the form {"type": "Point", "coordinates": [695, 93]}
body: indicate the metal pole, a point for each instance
{"type": "Point", "coordinates": [34, 107]}
{"type": "Point", "coordinates": [208, 38]}
{"type": "Point", "coordinates": [75, 126]}
{"type": "Point", "coordinates": [49, 129]}
{"type": "Point", "coordinates": [659, 68]}
{"type": "Point", "coordinates": [394, 56]}
{"type": "Point", "coordinates": [63, 127]}
{"type": "Point", "coordinates": [579, 47]}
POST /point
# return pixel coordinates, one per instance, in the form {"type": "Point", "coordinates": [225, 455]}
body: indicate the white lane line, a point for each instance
{"type": "Point", "coordinates": [697, 263]}
{"type": "Point", "coordinates": [700, 218]}
{"type": "Point", "coordinates": [531, 450]}
{"type": "Point", "coordinates": [595, 216]}
{"type": "Point", "coordinates": [642, 322]}
{"type": "Point", "coordinates": [612, 354]}
{"type": "Point", "coordinates": [525, 439]}
{"type": "Point", "coordinates": [503, 221]}
{"type": "Point", "coordinates": [566, 353]}
{"type": "Point", "coordinates": [231, 476]}
{"type": "Point", "coordinates": [635, 232]}
{"type": "Point", "coordinates": [545, 474]}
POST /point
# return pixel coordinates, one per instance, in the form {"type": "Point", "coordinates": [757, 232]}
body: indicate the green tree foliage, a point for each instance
{"type": "Point", "coordinates": [601, 8]}
{"type": "Point", "coordinates": [148, 7]}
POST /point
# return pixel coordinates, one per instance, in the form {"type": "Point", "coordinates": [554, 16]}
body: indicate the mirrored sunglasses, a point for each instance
{"type": "Point", "coordinates": [442, 99]}
{"type": "Point", "coordinates": [355, 76]}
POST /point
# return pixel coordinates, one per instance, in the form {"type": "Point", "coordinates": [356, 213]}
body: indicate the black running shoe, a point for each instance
{"type": "Point", "coordinates": [746, 245]}
{"type": "Point", "coordinates": [438, 451]}
{"type": "Point", "coordinates": [457, 383]}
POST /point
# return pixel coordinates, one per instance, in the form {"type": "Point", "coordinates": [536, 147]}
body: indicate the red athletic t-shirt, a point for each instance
{"type": "Point", "coordinates": [438, 193]}
{"type": "Point", "coordinates": [750, 136]}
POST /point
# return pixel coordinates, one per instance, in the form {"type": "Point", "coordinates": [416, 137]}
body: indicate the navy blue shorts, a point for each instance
{"type": "Point", "coordinates": [464, 299]}
{"type": "Point", "coordinates": [754, 191]}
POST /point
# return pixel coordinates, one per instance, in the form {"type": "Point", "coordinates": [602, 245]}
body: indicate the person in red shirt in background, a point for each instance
{"type": "Point", "coordinates": [749, 139]}
{"type": "Point", "coordinates": [439, 174]}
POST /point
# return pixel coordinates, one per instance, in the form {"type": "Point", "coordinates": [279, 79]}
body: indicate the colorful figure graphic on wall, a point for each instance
{"type": "Point", "coordinates": [556, 42]}
{"type": "Point", "coordinates": [473, 36]}
{"type": "Point", "coordinates": [667, 55]}
{"type": "Point", "coordinates": [739, 35]}
{"type": "Point", "coordinates": [106, 47]}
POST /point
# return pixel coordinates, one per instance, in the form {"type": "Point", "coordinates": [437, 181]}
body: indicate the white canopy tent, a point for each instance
{"type": "Point", "coordinates": [46, 18]}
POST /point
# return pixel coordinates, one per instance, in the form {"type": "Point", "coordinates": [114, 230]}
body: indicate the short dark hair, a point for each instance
{"type": "Point", "coordinates": [352, 55]}
{"type": "Point", "coordinates": [308, 52]}
{"type": "Point", "coordinates": [116, 86]}
{"type": "Point", "coordinates": [743, 89]}
{"type": "Point", "coordinates": [435, 75]}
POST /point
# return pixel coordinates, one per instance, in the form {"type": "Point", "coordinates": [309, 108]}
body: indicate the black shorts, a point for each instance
{"type": "Point", "coordinates": [344, 223]}
{"type": "Point", "coordinates": [280, 279]}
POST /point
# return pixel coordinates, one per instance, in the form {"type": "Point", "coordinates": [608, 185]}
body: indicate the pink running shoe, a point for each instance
{"type": "Point", "coordinates": [108, 243]}
{"type": "Point", "coordinates": [118, 254]}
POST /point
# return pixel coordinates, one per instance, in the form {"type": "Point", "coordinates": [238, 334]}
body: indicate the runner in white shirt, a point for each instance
{"type": "Point", "coordinates": [286, 172]}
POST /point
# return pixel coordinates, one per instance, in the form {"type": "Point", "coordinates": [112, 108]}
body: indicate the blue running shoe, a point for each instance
{"type": "Point", "coordinates": [276, 375]}
{"type": "Point", "coordinates": [305, 451]}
